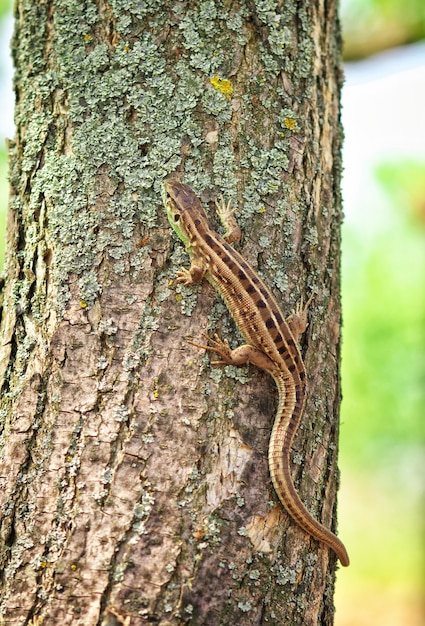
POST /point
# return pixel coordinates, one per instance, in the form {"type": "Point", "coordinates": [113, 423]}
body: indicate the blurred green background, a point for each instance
{"type": "Point", "coordinates": [381, 512]}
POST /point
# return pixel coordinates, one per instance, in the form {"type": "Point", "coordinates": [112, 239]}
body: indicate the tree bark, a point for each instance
{"type": "Point", "coordinates": [134, 479]}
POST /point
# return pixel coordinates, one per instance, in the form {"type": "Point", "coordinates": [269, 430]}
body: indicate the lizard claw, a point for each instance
{"type": "Point", "coordinates": [184, 276]}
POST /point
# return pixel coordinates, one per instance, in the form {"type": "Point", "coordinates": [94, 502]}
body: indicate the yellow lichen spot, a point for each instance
{"type": "Point", "coordinates": [262, 209]}
{"type": "Point", "coordinates": [179, 297]}
{"type": "Point", "coordinates": [83, 304]}
{"type": "Point", "coordinates": [223, 85]}
{"type": "Point", "coordinates": [155, 391]}
{"type": "Point", "coordinates": [170, 282]}
{"type": "Point", "coordinates": [291, 123]}
{"type": "Point", "coordinates": [43, 564]}
{"type": "Point", "coordinates": [73, 567]}
{"type": "Point", "coordinates": [87, 37]}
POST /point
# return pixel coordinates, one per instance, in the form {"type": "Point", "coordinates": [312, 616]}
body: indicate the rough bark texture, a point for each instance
{"type": "Point", "coordinates": [134, 480]}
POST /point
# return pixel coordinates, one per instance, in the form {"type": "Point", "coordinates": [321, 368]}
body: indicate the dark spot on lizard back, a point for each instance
{"type": "Point", "coordinates": [270, 322]}
{"type": "Point", "coordinates": [279, 318]}
{"type": "Point", "coordinates": [241, 275]}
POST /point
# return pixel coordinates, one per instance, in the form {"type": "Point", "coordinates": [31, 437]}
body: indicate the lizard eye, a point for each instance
{"type": "Point", "coordinates": [176, 217]}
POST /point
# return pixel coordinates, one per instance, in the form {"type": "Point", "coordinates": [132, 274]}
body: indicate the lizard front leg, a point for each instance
{"type": "Point", "coordinates": [194, 274]}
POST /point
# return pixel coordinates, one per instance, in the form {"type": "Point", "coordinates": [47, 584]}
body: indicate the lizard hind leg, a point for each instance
{"type": "Point", "coordinates": [239, 356]}
{"type": "Point", "coordinates": [222, 348]}
{"type": "Point", "coordinates": [218, 346]}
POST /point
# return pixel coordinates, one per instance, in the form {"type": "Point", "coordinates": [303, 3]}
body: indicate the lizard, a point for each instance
{"type": "Point", "coordinates": [271, 341]}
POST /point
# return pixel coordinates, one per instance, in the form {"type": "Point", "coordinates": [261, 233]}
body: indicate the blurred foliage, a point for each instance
{"type": "Point", "coordinates": [383, 409]}
{"type": "Point", "coordinates": [384, 324]}
{"type": "Point", "coordinates": [369, 26]}
{"type": "Point", "coordinates": [5, 7]}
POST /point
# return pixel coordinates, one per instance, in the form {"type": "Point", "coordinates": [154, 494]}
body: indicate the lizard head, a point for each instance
{"type": "Point", "coordinates": [184, 210]}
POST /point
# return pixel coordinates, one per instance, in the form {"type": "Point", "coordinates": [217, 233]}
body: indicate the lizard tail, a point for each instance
{"type": "Point", "coordinates": [279, 463]}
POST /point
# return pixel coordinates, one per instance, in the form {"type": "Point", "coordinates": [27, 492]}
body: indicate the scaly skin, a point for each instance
{"type": "Point", "coordinates": [272, 341]}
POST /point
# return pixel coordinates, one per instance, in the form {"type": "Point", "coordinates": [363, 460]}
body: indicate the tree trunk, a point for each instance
{"type": "Point", "coordinates": [134, 478]}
